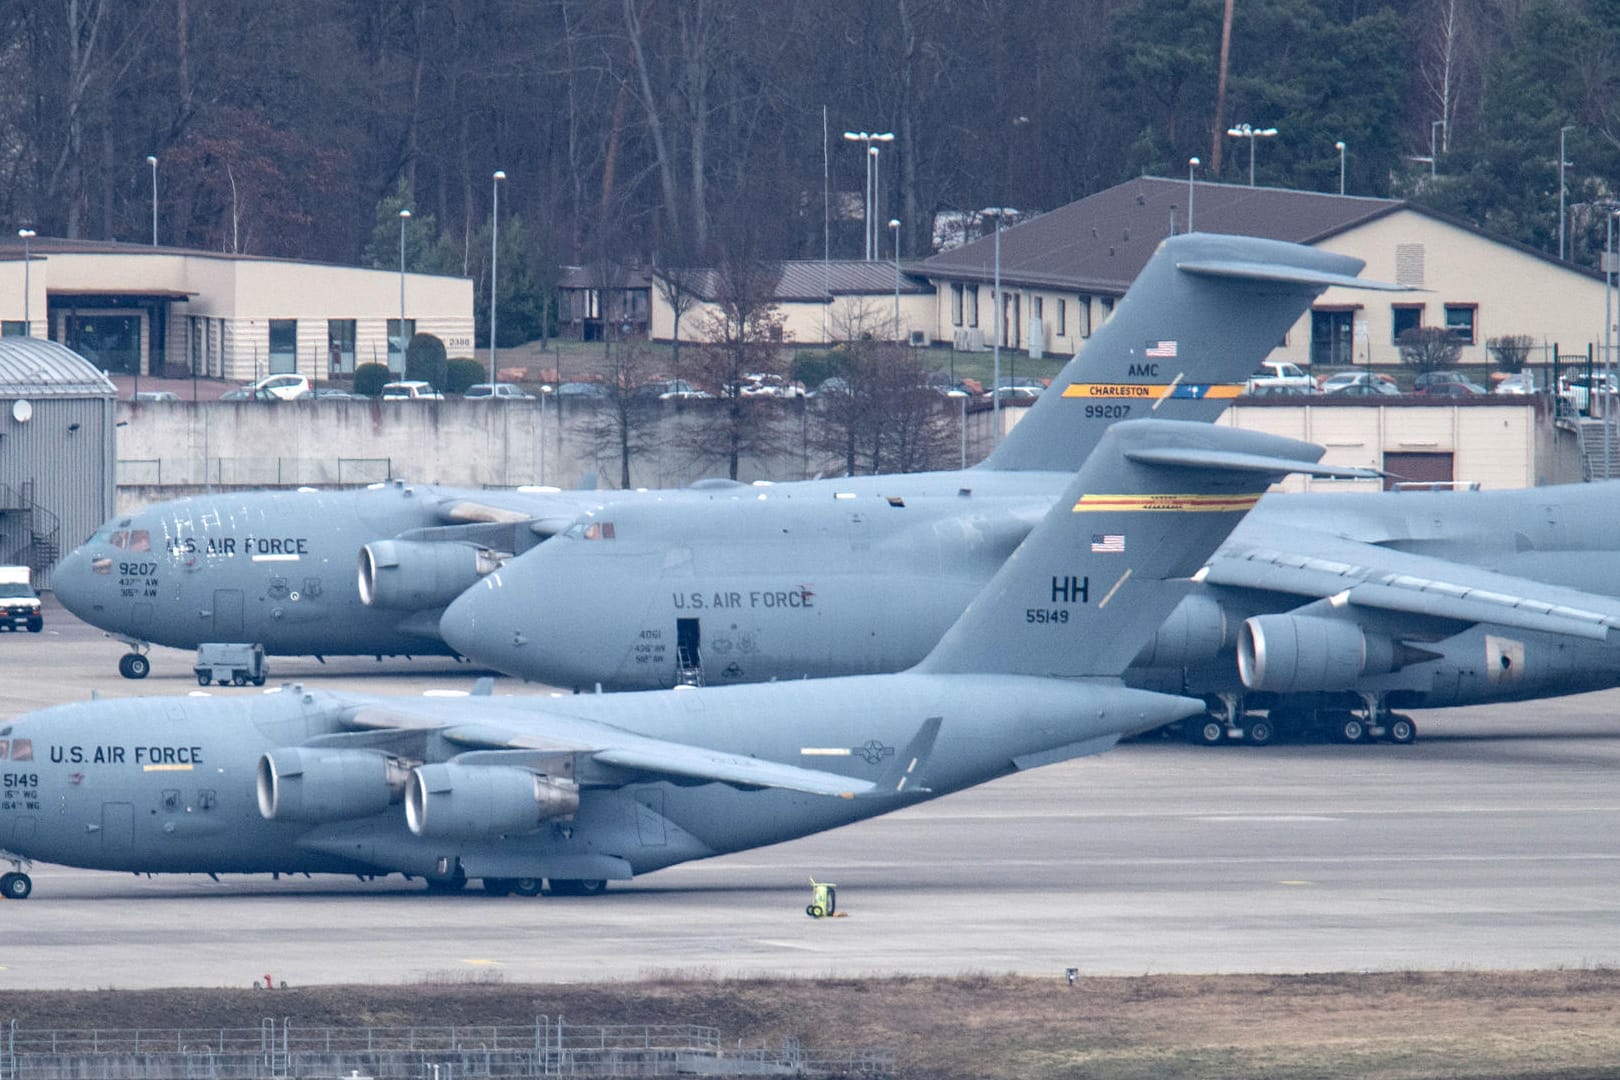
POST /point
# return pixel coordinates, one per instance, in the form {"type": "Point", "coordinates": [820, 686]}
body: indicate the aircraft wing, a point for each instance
{"type": "Point", "coordinates": [607, 745]}
{"type": "Point", "coordinates": [1347, 572]}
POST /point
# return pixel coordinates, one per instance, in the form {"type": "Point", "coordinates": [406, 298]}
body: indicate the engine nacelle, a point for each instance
{"type": "Point", "coordinates": [411, 575]}
{"type": "Point", "coordinates": [1195, 631]}
{"type": "Point", "coordinates": [1300, 653]}
{"type": "Point", "coordinates": [314, 784]}
{"type": "Point", "coordinates": [472, 802]}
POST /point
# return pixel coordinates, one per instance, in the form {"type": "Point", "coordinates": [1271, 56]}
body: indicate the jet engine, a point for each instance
{"type": "Point", "coordinates": [470, 802]}
{"type": "Point", "coordinates": [1301, 653]}
{"type": "Point", "coordinates": [315, 784]}
{"type": "Point", "coordinates": [1195, 631]}
{"type": "Point", "coordinates": [411, 575]}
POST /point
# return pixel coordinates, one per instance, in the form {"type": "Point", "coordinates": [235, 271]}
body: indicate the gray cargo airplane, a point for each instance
{"type": "Point", "coordinates": [277, 568]}
{"type": "Point", "coordinates": [1324, 606]}
{"type": "Point", "coordinates": [580, 790]}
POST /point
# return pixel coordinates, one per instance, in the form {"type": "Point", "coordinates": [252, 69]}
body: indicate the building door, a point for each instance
{"type": "Point", "coordinates": [688, 652]}
{"type": "Point", "coordinates": [110, 342]}
{"type": "Point", "coordinates": [1333, 338]}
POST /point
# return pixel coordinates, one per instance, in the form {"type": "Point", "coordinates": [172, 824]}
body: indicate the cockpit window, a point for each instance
{"type": "Point", "coordinates": [20, 749]}
{"type": "Point", "coordinates": [102, 565]}
{"type": "Point", "coordinates": [599, 530]}
{"type": "Point", "coordinates": [140, 540]}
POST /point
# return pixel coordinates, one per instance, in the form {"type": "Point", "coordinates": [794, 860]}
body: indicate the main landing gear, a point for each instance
{"type": "Point", "coordinates": [1227, 722]}
{"type": "Point", "coordinates": [16, 885]}
{"type": "Point", "coordinates": [134, 665]}
{"type": "Point", "coordinates": [525, 886]}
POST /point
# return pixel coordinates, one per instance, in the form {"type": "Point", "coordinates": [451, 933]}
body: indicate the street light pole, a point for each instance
{"type": "Point", "coordinates": [1192, 163]}
{"type": "Point", "coordinates": [1561, 163]}
{"type": "Point", "coordinates": [404, 216]}
{"type": "Point", "coordinates": [151, 159]}
{"type": "Point", "coordinates": [894, 229]}
{"type": "Point", "coordinates": [1246, 131]}
{"type": "Point", "coordinates": [494, 256]}
{"type": "Point", "coordinates": [869, 231]}
{"type": "Point", "coordinates": [28, 322]}
{"type": "Point", "coordinates": [1339, 146]}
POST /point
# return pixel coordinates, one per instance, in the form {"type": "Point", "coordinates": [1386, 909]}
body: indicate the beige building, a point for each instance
{"type": "Point", "coordinates": [1062, 271]}
{"type": "Point", "coordinates": [820, 303]}
{"type": "Point", "coordinates": [140, 310]}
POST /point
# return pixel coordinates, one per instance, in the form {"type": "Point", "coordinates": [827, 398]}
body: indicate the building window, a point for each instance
{"type": "Point", "coordinates": [1063, 317]}
{"type": "Point", "coordinates": [956, 304]}
{"type": "Point", "coordinates": [283, 346]}
{"type": "Point", "coordinates": [339, 345]}
{"type": "Point", "coordinates": [1403, 317]}
{"type": "Point", "coordinates": [1082, 316]}
{"type": "Point", "coordinates": [1107, 305]}
{"type": "Point", "coordinates": [971, 295]}
{"type": "Point", "coordinates": [1460, 321]}
{"type": "Point", "coordinates": [13, 328]}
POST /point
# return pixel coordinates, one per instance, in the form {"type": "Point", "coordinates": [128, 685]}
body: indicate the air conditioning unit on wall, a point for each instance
{"type": "Point", "coordinates": [918, 339]}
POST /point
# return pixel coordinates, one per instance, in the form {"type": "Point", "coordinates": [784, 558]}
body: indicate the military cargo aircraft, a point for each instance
{"type": "Point", "coordinates": [580, 790]}
{"type": "Point", "coordinates": [276, 569]}
{"type": "Point", "coordinates": [1334, 605]}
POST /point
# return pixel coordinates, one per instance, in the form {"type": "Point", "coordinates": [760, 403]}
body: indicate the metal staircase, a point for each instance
{"type": "Point", "coordinates": [1600, 450]}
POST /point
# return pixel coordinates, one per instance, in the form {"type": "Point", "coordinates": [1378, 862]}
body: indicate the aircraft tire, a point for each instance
{"type": "Point", "coordinates": [527, 886]}
{"type": "Point", "coordinates": [448, 885]}
{"type": "Point", "coordinates": [134, 666]}
{"type": "Point", "coordinates": [499, 886]}
{"type": "Point", "coordinates": [1208, 732]}
{"type": "Point", "coordinates": [578, 887]}
{"type": "Point", "coordinates": [1260, 732]}
{"type": "Point", "coordinates": [1349, 729]}
{"type": "Point", "coordinates": [16, 886]}
{"type": "Point", "coordinates": [202, 678]}
{"type": "Point", "coordinates": [1402, 729]}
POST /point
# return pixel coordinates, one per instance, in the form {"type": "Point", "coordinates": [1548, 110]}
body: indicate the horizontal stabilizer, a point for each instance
{"type": "Point", "coordinates": [1284, 273]}
{"type": "Point", "coordinates": [904, 777]}
{"type": "Point", "coordinates": [1187, 458]}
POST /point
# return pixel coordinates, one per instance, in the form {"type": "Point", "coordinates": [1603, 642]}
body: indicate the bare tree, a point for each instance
{"type": "Point", "coordinates": [1429, 348]}
{"type": "Point", "coordinates": [623, 426]}
{"type": "Point", "coordinates": [884, 418]}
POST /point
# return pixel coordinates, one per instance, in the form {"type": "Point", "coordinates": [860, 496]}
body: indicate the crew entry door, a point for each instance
{"type": "Point", "coordinates": [688, 653]}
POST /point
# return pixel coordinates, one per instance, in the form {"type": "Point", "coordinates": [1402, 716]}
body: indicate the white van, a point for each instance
{"type": "Point", "coordinates": [412, 390]}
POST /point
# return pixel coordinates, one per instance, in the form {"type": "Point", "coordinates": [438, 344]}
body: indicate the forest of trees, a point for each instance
{"type": "Point", "coordinates": [671, 131]}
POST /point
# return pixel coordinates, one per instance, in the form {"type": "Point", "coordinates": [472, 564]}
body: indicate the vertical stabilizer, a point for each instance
{"type": "Point", "coordinates": [1093, 581]}
{"type": "Point", "coordinates": [1194, 325]}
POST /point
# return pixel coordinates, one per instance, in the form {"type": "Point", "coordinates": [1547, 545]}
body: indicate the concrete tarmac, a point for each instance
{"type": "Point", "coordinates": [1494, 842]}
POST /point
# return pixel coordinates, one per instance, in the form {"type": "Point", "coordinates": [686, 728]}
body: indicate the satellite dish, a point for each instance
{"type": "Point", "coordinates": [22, 411]}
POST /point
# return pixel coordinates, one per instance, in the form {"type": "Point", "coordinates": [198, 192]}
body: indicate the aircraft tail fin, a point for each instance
{"type": "Point", "coordinates": [1111, 559]}
{"type": "Point", "coordinates": [1194, 325]}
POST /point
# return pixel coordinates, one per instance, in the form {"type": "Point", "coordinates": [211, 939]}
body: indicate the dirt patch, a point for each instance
{"type": "Point", "coordinates": [1552, 1024]}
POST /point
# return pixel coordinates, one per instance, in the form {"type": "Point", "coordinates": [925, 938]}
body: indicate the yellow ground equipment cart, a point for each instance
{"type": "Point", "coordinates": [823, 900]}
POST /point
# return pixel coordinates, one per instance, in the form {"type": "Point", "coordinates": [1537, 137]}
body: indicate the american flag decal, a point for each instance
{"type": "Point", "coordinates": [1161, 350]}
{"type": "Point", "coordinates": [1107, 543]}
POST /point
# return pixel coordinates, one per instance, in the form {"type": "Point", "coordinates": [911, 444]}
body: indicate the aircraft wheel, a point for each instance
{"type": "Point", "coordinates": [1209, 732]}
{"type": "Point", "coordinates": [202, 678]}
{"type": "Point", "coordinates": [1402, 729]}
{"type": "Point", "coordinates": [578, 887]}
{"type": "Point", "coordinates": [499, 886]}
{"type": "Point", "coordinates": [1260, 732]}
{"type": "Point", "coordinates": [448, 885]}
{"type": "Point", "coordinates": [527, 886]}
{"type": "Point", "coordinates": [814, 911]}
{"type": "Point", "coordinates": [134, 666]}
{"type": "Point", "coordinates": [1350, 729]}
{"type": "Point", "coordinates": [16, 886]}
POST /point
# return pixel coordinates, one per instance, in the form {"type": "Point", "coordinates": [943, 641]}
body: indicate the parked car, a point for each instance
{"type": "Point", "coordinates": [1427, 379]}
{"type": "Point", "coordinates": [1016, 395]}
{"type": "Point", "coordinates": [489, 391]}
{"type": "Point", "coordinates": [155, 395]}
{"type": "Point", "coordinates": [583, 391]}
{"type": "Point", "coordinates": [1451, 388]}
{"type": "Point", "coordinates": [1521, 383]}
{"type": "Point", "coordinates": [1577, 390]}
{"type": "Point", "coordinates": [247, 393]}
{"type": "Point", "coordinates": [671, 390]}
{"type": "Point", "coordinates": [1360, 382]}
{"type": "Point", "coordinates": [285, 386]}
{"type": "Point", "coordinates": [769, 384]}
{"type": "Point", "coordinates": [1275, 375]}
{"type": "Point", "coordinates": [410, 390]}
{"type": "Point", "coordinates": [333, 393]}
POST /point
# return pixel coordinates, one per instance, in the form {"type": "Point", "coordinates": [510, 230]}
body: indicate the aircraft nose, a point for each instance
{"type": "Point", "coordinates": [72, 582]}
{"type": "Point", "coordinates": [474, 626]}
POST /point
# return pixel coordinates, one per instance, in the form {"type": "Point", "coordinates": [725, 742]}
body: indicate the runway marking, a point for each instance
{"type": "Point", "coordinates": [1267, 817]}
{"type": "Point", "coordinates": [487, 963]}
